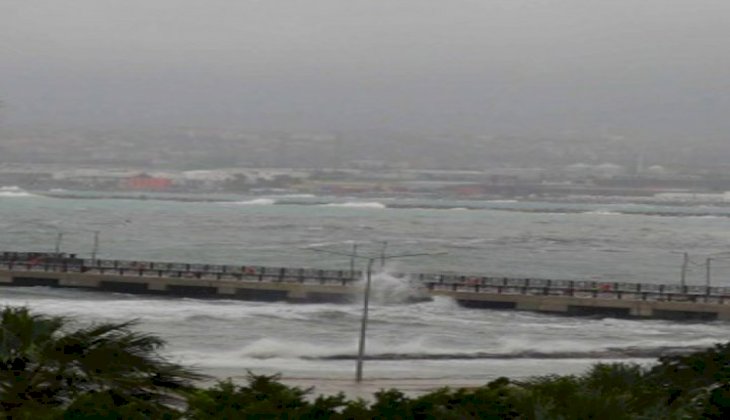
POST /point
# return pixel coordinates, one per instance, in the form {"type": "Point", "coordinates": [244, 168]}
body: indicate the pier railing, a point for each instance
{"type": "Point", "coordinates": [582, 289]}
{"type": "Point", "coordinates": [450, 283]}
{"type": "Point", "coordinates": [32, 262]}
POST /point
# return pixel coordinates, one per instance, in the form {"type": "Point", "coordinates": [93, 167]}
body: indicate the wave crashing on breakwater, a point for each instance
{"type": "Point", "coordinates": [389, 289]}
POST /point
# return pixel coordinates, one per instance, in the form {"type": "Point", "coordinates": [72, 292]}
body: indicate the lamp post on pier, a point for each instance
{"type": "Point", "coordinates": [708, 266]}
{"type": "Point", "coordinates": [352, 261]}
{"type": "Point", "coordinates": [57, 247]}
{"type": "Point", "coordinates": [95, 247]}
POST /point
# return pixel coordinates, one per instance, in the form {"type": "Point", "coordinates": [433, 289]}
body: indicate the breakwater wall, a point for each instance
{"type": "Point", "coordinates": [568, 297]}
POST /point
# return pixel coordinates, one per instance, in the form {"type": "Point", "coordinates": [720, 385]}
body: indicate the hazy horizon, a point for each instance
{"type": "Point", "coordinates": [651, 71]}
{"type": "Point", "coordinates": [645, 70]}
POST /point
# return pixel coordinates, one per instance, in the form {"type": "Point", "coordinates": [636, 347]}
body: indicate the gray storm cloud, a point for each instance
{"type": "Point", "coordinates": [651, 68]}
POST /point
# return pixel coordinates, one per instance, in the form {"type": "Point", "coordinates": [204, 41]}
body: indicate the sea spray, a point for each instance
{"type": "Point", "coordinates": [389, 288]}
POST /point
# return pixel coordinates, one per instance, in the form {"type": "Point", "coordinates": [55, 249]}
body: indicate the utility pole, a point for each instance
{"type": "Point", "coordinates": [352, 261]}
{"type": "Point", "coordinates": [685, 263]}
{"type": "Point", "coordinates": [366, 298]}
{"type": "Point", "coordinates": [95, 249]}
{"type": "Point", "coordinates": [707, 272]}
{"type": "Point", "coordinates": [59, 238]}
{"type": "Point", "coordinates": [364, 322]}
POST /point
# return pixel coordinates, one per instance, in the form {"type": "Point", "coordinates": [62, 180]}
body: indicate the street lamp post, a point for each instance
{"type": "Point", "coordinates": [352, 261]}
{"type": "Point", "coordinates": [95, 248]}
{"type": "Point", "coordinates": [708, 264]}
{"type": "Point", "coordinates": [59, 238]}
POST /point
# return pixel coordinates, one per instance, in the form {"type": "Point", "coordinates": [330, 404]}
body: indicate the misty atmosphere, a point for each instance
{"type": "Point", "coordinates": [424, 84]}
{"type": "Point", "coordinates": [477, 189]}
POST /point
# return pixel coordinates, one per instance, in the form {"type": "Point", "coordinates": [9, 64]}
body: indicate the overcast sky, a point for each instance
{"type": "Point", "coordinates": [643, 68]}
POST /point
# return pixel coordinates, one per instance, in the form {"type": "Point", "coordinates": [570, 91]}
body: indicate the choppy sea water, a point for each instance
{"type": "Point", "coordinates": [415, 346]}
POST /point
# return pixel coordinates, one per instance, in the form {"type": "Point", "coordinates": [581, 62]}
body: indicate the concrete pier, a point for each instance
{"type": "Point", "coordinates": [568, 297]}
{"type": "Point", "coordinates": [589, 306]}
{"type": "Point", "coordinates": [190, 287]}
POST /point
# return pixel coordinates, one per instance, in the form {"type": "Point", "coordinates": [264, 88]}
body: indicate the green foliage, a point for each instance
{"type": "Point", "coordinates": [496, 400]}
{"type": "Point", "coordinates": [49, 371]}
{"type": "Point", "coordinates": [45, 366]}
{"type": "Point", "coordinates": [110, 405]}
{"type": "Point", "coordinates": [697, 382]}
{"type": "Point", "coordinates": [263, 398]}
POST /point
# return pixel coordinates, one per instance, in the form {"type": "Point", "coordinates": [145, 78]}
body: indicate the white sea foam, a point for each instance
{"type": "Point", "coordinates": [294, 196]}
{"type": "Point", "coordinates": [13, 188]}
{"type": "Point", "coordinates": [271, 350]}
{"type": "Point", "coordinates": [603, 213]}
{"type": "Point", "coordinates": [14, 191]}
{"type": "Point", "coordinates": [387, 288]}
{"type": "Point", "coordinates": [358, 204]}
{"type": "Point", "coordinates": [268, 347]}
{"type": "Point", "coordinates": [330, 243]}
{"type": "Point", "coordinates": [281, 349]}
{"type": "Point", "coordinates": [257, 202]}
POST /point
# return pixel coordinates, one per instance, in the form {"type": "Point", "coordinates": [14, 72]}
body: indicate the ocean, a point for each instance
{"type": "Point", "coordinates": [414, 346]}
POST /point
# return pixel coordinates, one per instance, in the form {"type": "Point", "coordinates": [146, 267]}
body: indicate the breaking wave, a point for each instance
{"type": "Point", "coordinates": [356, 204]}
{"type": "Point", "coordinates": [269, 348]}
{"type": "Point", "coordinates": [610, 353]}
{"type": "Point", "coordinates": [256, 202]}
{"type": "Point", "coordinates": [295, 196]}
{"type": "Point", "coordinates": [604, 213]}
{"type": "Point", "coordinates": [14, 191]}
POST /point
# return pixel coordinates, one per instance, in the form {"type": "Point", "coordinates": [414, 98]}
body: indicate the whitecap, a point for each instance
{"type": "Point", "coordinates": [295, 196]}
{"type": "Point", "coordinates": [14, 191]}
{"type": "Point", "coordinates": [11, 188]}
{"type": "Point", "coordinates": [257, 202]}
{"type": "Point", "coordinates": [603, 213]}
{"type": "Point", "coordinates": [356, 204]}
